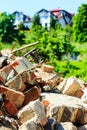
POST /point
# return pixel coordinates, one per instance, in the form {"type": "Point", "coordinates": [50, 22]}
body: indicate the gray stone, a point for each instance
{"type": "Point", "coordinates": [70, 86]}
{"type": "Point", "coordinates": [68, 126]}
{"type": "Point", "coordinates": [66, 108]}
{"type": "Point", "coordinates": [33, 110]}
{"type": "Point", "coordinates": [30, 125]}
{"type": "Point", "coordinates": [5, 128]}
{"type": "Point", "coordinates": [84, 127]}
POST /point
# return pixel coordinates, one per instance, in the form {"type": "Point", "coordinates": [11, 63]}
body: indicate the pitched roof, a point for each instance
{"type": "Point", "coordinates": [57, 12]}
{"type": "Point", "coordinates": [45, 11]}
{"type": "Point", "coordinates": [42, 10]}
{"type": "Point", "coordinates": [24, 16]}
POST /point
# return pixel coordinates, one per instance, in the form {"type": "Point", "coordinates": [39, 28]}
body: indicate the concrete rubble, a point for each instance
{"type": "Point", "coordinates": [34, 97]}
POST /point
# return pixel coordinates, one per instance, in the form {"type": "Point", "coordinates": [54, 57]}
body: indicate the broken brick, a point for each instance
{"type": "Point", "coordinates": [4, 72]}
{"type": "Point", "coordinates": [31, 95]}
{"type": "Point", "coordinates": [14, 96]}
{"type": "Point", "coordinates": [46, 103]}
{"type": "Point", "coordinates": [18, 65]}
{"type": "Point", "coordinates": [79, 93]}
{"type": "Point", "coordinates": [10, 107]}
{"type": "Point", "coordinates": [1, 113]}
{"type": "Point", "coordinates": [25, 77]}
{"type": "Point", "coordinates": [47, 68]}
{"type": "Point", "coordinates": [16, 83]}
{"type": "Point", "coordinates": [28, 76]}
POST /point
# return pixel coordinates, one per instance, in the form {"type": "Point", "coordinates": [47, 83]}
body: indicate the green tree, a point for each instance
{"type": "Point", "coordinates": [53, 22]}
{"type": "Point", "coordinates": [55, 44]}
{"type": "Point", "coordinates": [21, 26]}
{"type": "Point", "coordinates": [7, 28]}
{"type": "Point", "coordinates": [36, 21]}
{"type": "Point", "coordinates": [80, 24]}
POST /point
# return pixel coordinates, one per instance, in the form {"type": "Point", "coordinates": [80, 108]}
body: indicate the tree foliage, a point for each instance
{"type": "Point", "coordinates": [8, 31]}
{"type": "Point", "coordinates": [7, 28]}
{"type": "Point", "coordinates": [53, 22]}
{"type": "Point", "coordinates": [21, 26]}
{"type": "Point", "coordinates": [54, 44]}
{"type": "Point", "coordinates": [80, 24]}
{"type": "Point", "coordinates": [36, 21]}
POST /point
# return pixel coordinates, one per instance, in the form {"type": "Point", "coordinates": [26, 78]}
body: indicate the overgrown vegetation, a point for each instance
{"type": "Point", "coordinates": [80, 24]}
{"type": "Point", "coordinates": [64, 48]}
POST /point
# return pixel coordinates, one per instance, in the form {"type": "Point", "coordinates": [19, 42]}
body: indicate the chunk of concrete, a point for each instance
{"type": "Point", "coordinates": [34, 110]}
{"type": "Point", "coordinates": [68, 126]}
{"type": "Point", "coordinates": [30, 125]}
{"type": "Point", "coordinates": [66, 108]}
{"type": "Point", "coordinates": [70, 86]}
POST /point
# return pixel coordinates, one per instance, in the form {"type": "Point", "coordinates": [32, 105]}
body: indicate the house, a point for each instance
{"type": "Point", "coordinates": [20, 17]}
{"type": "Point", "coordinates": [62, 16]}
{"type": "Point", "coordinates": [45, 17]}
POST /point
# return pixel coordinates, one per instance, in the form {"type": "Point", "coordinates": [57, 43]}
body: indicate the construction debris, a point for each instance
{"type": "Point", "coordinates": [34, 97]}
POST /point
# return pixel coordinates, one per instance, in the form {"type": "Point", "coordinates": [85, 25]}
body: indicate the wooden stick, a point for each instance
{"type": "Point", "coordinates": [13, 46]}
{"type": "Point", "coordinates": [29, 45]}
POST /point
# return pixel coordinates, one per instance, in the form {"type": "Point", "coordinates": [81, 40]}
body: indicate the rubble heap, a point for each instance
{"type": "Point", "coordinates": [34, 97]}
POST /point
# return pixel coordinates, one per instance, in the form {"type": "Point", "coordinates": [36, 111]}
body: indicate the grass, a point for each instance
{"type": "Point", "coordinates": [8, 46]}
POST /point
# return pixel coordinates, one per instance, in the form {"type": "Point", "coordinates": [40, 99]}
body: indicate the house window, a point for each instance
{"type": "Point", "coordinates": [45, 17]}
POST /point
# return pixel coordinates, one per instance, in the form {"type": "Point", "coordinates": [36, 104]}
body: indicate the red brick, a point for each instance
{"type": "Point", "coordinates": [12, 95]}
{"type": "Point", "coordinates": [25, 77]}
{"type": "Point", "coordinates": [16, 83]}
{"type": "Point", "coordinates": [4, 72]}
{"type": "Point", "coordinates": [85, 84]}
{"type": "Point", "coordinates": [29, 76]}
{"type": "Point", "coordinates": [10, 107]}
{"type": "Point", "coordinates": [79, 114]}
{"type": "Point", "coordinates": [1, 113]}
{"type": "Point", "coordinates": [14, 64]}
{"type": "Point", "coordinates": [47, 68]}
{"type": "Point", "coordinates": [18, 66]}
{"type": "Point", "coordinates": [31, 95]}
{"type": "Point", "coordinates": [79, 93]}
{"type": "Point", "coordinates": [7, 69]}
{"type": "Point", "coordinates": [2, 79]}
{"type": "Point", "coordinates": [46, 103]}
{"type": "Point", "coordinates": [32, 76]}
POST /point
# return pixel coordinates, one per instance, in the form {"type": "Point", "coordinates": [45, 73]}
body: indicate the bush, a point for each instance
{"type": "Point", "coordinates": [71, 68]}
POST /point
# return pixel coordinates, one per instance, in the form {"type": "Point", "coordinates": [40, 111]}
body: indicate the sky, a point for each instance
{"type": "Point", "coordinates": [30, 7]}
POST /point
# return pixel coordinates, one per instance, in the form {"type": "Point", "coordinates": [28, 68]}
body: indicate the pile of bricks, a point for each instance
{"type": "Point", "coordinates": [22, 82]}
